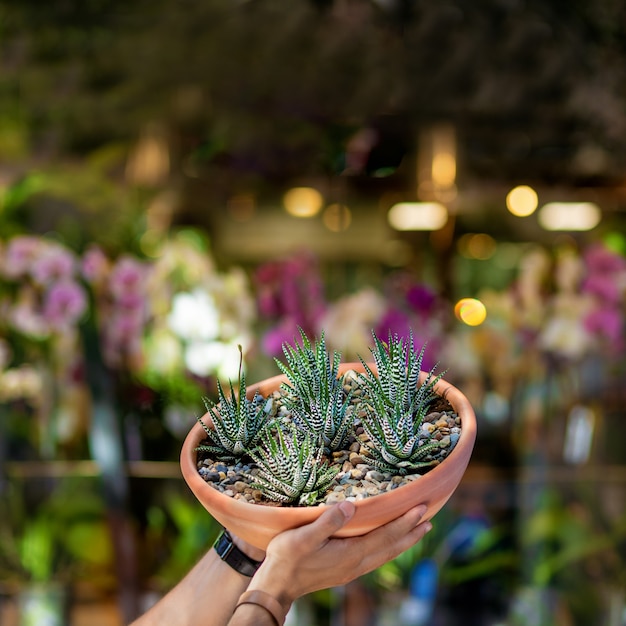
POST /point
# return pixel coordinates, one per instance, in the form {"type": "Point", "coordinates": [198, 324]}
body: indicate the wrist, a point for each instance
{"type": "Point", "coordinates": [233, 556]}
{"type": "Point", "coordinates": [252, 552]}
{"type": "Point", "coordinates": [268, 603]}
{"type": "Point", "coordinates": [273, 583]}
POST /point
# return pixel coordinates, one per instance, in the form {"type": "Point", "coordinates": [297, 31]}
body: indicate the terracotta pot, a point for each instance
{"type": "Point", "coordinates": [258, 524]}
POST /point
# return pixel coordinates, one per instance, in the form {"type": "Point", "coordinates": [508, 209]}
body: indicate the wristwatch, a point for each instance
{"type": "Point", "coordinates": [231, 554]}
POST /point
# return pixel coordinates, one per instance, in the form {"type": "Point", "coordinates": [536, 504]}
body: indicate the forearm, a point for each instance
{"type": "Point", "coordinates": [207, 595]}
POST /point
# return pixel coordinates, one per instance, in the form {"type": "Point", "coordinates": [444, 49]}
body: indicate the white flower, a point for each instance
{"type": "Point", "coordinates": [209, 357]}
{"type": "Point", "coordinates": [194, 316]}
{"type": "Point", "coordinates": [21, 382]}
{"type": "Point", "coordinates": [565, 336]}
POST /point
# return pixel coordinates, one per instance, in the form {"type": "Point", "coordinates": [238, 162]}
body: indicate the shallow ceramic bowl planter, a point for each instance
{"type": "Point", "coordinates": [258, 523]}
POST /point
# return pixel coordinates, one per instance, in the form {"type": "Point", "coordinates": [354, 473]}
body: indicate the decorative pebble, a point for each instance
{"type": "Point", "coordinates": [335, 497]}
{"type": "Point", "coordinates": [356, 459]}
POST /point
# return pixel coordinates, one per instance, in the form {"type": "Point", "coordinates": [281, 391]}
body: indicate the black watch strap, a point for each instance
{"type": "Point", "coordinates": [231, 554]}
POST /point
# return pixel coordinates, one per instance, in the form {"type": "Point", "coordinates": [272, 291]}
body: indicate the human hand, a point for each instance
{"type": "Point", "coordinates": [307, 559]}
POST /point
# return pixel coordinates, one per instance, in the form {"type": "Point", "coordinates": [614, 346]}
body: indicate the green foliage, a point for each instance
{"type": "Point", "coordinates": [36, 549]}
{"type": "Point", "coordinates": [565, 535]}
{"type": "Point", "coordinates": [318, 402]}
{"type": "Point", "coordinates": [238, 422]}
{"type": "Point", "coordinates": [64, 534]}
{"type": "Point", "coordinates": [396, 405]}
{"type": "Point", "coordinates": [290, 466]}
{"type": "Point", "coordinates": [178, 532]}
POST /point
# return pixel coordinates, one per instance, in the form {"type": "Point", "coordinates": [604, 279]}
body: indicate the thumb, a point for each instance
{"type": "Point", "coordinates": [328, 523]}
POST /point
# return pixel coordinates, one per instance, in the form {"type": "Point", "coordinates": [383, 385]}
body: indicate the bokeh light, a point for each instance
{"type": "Point", "coordinates": [418, 216]}
{"type": "Point", "coordinates": [470, 311]}
{"type": "Point", "coordinates": [444, 169]}
{"type": "Point", "coordinates": [337, 217]}
{"type": "Point", "coordinates": [303, 201]}
{"type": "Point", "coordinates": [522, 201]}
{"type": "Point", "coordinates": [569, 216]}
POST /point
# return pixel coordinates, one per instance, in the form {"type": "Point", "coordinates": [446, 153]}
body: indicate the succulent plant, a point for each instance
{"type": "Point", "coordinates": [290, 466]}
{"type": "Point", "coordinates": [317, 402]}
{"type": "Point", "coordinates": [290, 436]}
{"type": "Point", "coordinates": [238, 422]}
{"type": "Point", "coordinates": [396, 405]}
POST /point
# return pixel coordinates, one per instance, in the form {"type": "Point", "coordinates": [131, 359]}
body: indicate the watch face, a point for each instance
{"type": "Point", "coordinates": [223, 544]}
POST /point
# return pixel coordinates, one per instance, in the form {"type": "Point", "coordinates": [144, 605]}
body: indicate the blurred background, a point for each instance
{"type": "Point", "coordinates": [181, 178]}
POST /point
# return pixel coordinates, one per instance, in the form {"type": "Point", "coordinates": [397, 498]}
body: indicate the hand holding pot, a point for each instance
{"type": "Point", "coordinates": [307, 559]}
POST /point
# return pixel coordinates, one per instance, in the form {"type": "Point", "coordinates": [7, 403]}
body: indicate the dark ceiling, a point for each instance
{"type": "Point", "coordinates": [253, 93]}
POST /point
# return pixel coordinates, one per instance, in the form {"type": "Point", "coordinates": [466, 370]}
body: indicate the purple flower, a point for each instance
{"type": "Point", "coordinates": [20, 254]}
{"type": "Point", "coordinates": [64, 304]}
{"type": "Point", "coordinates": [268, 307]}
{"type": "Point", "coordinates": [127, 277]}
{"type": "Point", "coordinates": [122, 336]}
{"type": "Point", "coordinates": [605, 323]}
{"type": "Point", "coordinates": [603, 286]}
{"type": "Point", "coordinates": [602, 260]}
{"type": "Point", "coordinates": [395, 322]}
{"type": "Point", "coordinates": [292, 289]}
{"type": "Point", "coordinates": [55, 263]}
{"type": "Point", "coordinates": [125, 327]}
{"type": "Point", "coordinates": [274, 338]}
{"type": "Point", "coordinates": [421, 299]}
{"type": "Point", "coordinates": [95, 265]}
{"type": "Point", "coordinates": [131, 301]}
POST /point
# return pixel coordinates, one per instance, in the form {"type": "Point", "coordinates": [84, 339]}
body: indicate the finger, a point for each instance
{"type": "Point", "coordinates": [398, 527]}
{"type": "Point", "coordinates": [385, 537]}
{"type": "Point", "coordinates": [329, 522]}
{"type": "Point", "coordinates": [393, 549]}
